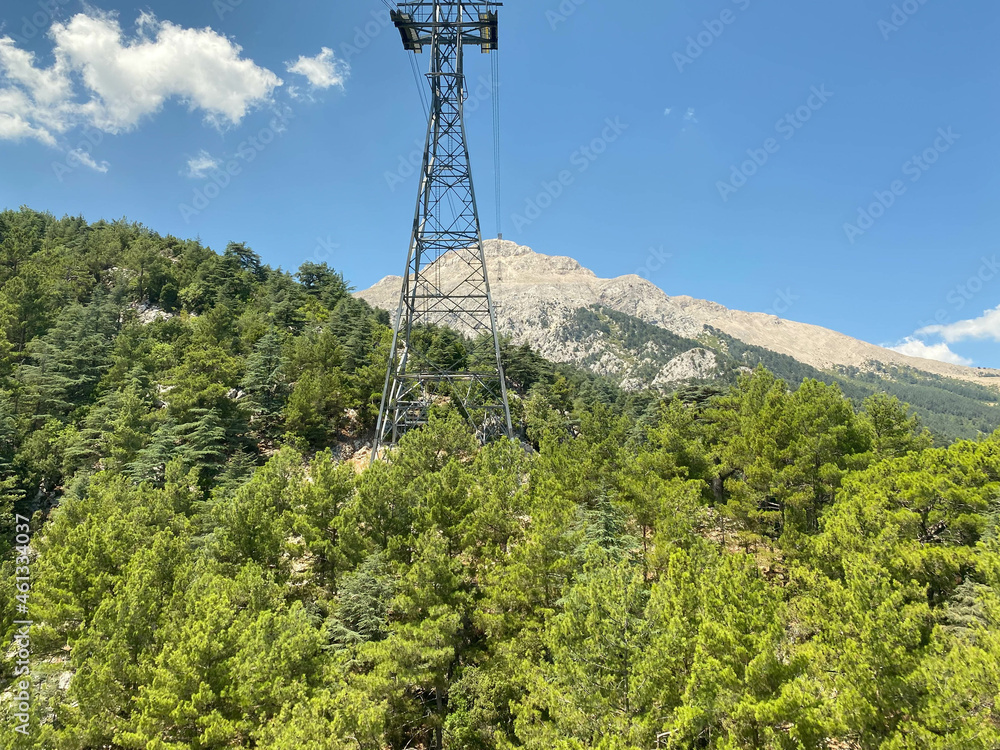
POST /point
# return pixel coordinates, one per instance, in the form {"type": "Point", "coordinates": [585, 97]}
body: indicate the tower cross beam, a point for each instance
{"type": "Point", "coordinates": [420, 24]}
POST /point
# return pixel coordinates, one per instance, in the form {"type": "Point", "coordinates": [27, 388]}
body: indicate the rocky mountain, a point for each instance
{"type": "Point", "coordinates": [537, 295]}
{"type": "Point", "coordinates": [629, 329]}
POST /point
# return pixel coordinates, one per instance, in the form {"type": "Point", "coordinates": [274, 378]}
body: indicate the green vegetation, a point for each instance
{"type": "Point", "coordinates": [951, 409]}
{"type": "Point", "coordinates": [753, 566]}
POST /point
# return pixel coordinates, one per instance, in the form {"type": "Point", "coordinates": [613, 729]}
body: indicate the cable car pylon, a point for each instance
{"type": "Point", "coordinates": [446, 231]}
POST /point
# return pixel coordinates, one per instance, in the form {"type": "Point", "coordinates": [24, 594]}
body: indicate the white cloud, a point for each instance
{"type": "Point", "coordinates": [30, 98]}
{"type": "Point", "coordinates": [133, 78]}
{"type": "Point", "coordinates": [322, 71]}
{"type": "Point", "coordinates": [914, 347]}
{"type": "Point", "coordinates": [986, 326]}
{"type": "Point", "coordinates": [198, 167]}
{"type": "Point", "coordinates": [47, 86]}
{"type": "Point", "coordinates": [80, 156]}
{"type": "Point", "coordinates": [105, 79]}
{"type": "Point", "coordinates": [16, 128]}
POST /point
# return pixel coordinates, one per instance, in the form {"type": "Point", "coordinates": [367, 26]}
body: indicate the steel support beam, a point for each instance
{"type": "Point", "coordinates": [446, 229]}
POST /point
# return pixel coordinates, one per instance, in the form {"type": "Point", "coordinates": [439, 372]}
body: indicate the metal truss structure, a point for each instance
{"type": "Point", "coordinates": [446, 231]}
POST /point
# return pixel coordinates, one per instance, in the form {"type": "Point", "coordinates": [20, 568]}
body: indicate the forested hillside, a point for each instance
{"type": "Point", "coordinates": [751, 566]}
{"type": "Point", "coordinates": [951, 409]}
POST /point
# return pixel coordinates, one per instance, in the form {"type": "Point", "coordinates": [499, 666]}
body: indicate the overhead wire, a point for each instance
{"type": "Point", "coordinates": [416, 80]}
{"type": "Point", "coordinates": [495, 55]}
{"type": "Point", "coordinates": [413, 65]}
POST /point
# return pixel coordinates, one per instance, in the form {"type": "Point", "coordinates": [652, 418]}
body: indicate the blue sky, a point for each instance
{"type": "Point", "coordinates": [750, 142]}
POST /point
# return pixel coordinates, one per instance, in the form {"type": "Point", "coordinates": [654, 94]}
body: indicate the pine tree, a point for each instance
{"type": "Point", "coordinates": [324, 284]}
{"type": "Point", "coordinates": [238, 469]}
{"type": "Point", "coordinates": [202, 444]}
{"type": "Point", "coordinates": [315, 409]}
{"type": "Point", "coordinates": [65, 365]}
{"type": "Point", "coordinates": [317, 519]}
{"type": "Point", "coordinates": [416, 663]}
{"type": "Point", "coordinates": [246, 259]}
{"type": "Point", "coordinates": [363, 602]}
{"type": "Point", "coordinates": [151, 461]}
{"type": "Point", "coordinates": [26, 301]}
{"type": "Point", "coordinates": [965, 613]}
{"type": "Point", "coordinates": [265, 384]}
{"type": "Point", "coordinates": [592, 689]}
{"type": "Point", "coordinates": [894, 430]}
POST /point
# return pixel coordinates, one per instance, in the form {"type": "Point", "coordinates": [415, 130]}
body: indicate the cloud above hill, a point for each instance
{"type": "Point", "coordinates": [986, 326]}
{"type": "Point", "coordinates": [941, 352]}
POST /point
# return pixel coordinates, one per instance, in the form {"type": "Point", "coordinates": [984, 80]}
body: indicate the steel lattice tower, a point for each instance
{"type": "Point", "coordinates": [446, 222]}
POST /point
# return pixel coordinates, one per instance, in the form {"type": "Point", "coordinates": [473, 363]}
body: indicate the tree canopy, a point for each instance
{"type": "Point", "coordinates": [214, 564]}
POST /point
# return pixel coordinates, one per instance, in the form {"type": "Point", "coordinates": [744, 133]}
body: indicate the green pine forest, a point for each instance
{"type": "Point", "coordinates": [790, 562]}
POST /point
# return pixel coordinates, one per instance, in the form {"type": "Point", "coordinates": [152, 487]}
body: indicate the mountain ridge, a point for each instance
{"type": "Point", "coordinates": [535, 294]}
